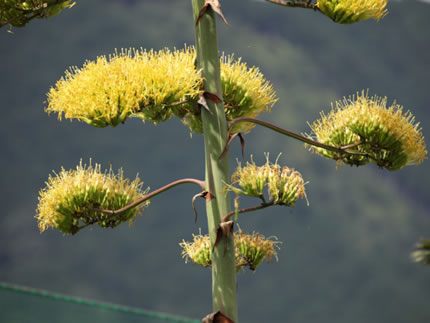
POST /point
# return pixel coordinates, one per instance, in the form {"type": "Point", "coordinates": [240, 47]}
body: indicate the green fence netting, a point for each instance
{"type": "Point", "coordinates": [46, 306]}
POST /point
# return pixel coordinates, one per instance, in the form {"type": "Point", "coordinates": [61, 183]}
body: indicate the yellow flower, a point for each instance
{"type": "Point", "coordinates": [250, 250]}
{"type": "Point", "coordinates": [350, 11]}
{"type": "Point", "coordinates": [246, 93]}
{"type": "Point", "coordinates": [155, 86]}
{"type": "Point", "coordinates": [254, 248]}
{"type": "Point", "coordinates": [284, 185]}
{"type": "Point", "coordinates": [148, 85]}
{"type": "Point", "coordinates": [198, 251]}
{"type": "Point", "coordinates": [71, 199]}
{"type": "Point", "coordinates": [388, 137]}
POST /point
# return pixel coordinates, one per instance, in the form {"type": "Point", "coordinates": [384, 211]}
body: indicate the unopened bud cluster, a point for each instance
{"type": "Point", "coordinates": [73, 199]}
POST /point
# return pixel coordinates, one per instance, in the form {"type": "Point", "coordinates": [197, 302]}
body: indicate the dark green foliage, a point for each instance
{"type": "Point", "coordinates": [18, 13]}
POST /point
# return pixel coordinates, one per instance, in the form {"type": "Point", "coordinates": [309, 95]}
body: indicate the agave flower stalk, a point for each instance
{"type": "Point", "coordinates": [224, 294]}
{"type": "Point", "coordinates": [346, 149]}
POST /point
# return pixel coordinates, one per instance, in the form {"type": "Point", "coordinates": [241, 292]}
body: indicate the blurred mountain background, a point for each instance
{"type": "Point", "coordinates": [345, 258]}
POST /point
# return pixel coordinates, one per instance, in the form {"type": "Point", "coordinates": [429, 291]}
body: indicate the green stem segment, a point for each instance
{"type": "Point", "coordinates": [224, 294]}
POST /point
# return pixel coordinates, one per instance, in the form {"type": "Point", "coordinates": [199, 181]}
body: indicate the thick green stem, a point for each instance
{"type": "Point", "coordinates": [224, 294]}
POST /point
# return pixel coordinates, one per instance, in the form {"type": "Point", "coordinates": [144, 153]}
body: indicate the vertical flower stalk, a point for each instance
{"type": "Point", "coordinates": [224, 294]}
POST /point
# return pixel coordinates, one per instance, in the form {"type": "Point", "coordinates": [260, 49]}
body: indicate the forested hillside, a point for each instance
{"type": "Point", "coordinates": [344, 258]}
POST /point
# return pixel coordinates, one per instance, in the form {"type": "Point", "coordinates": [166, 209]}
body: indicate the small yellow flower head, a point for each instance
{"type": "Point", "coordinates": [350, 11]}
{"type": "Point", "coordinates": [254, 248]}
{"type": "Point", "coordinates": [250, 250]}
{"type": "Point", "coordinates": [246, 93]}
{"type": "Point", "coordinates": [388, 137]}
{"type": "Point", "coordinates": [148, 85]}
{"type": "Point", "coordinates": [71, 198]}
{"type": "Point", "coordinates": [198, 251]}
{"type": "Point", "coordinates": [284, 185]}
{"type": "Point", "coordinates": [422, 255]}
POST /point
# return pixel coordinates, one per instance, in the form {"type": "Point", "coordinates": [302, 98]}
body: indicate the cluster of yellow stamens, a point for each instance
{"type": "Point", "coordinates": [72, 199]}
{"type": "Point", "coordinates": [149, 85]}
{"type": "Point", "coordinates": [351, 11]}
{"type": "Point", "coordinates": [250, 250]}
{"type": "Point", "coordinates": [155, 86]}
{"type": "Point", "coordinates": [284, 185]}
{"type": "Point", "coordinates": [388, 137]}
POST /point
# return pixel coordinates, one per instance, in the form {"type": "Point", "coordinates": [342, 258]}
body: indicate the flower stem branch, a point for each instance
{"type": "Point", "coordinates": [153, 194]}
{"type": "Point", "coordinates": [248, 209]}
{"type": "Point", "coordinates": [294, 4]}
{"type": "Point", "coordinates": [341, 150]}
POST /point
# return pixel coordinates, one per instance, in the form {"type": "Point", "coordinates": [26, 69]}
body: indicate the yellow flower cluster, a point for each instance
{"type": "Point", "coordinates": [284, 185]}
{"type": "Point", "coordinates": [131, 83]}
{"type": "Point", "coordinates": [155, 86]}
{"type": "Point", "coordinates": [387, 136]}
{"type": "Point", "coordinates": [250, 250]}
{"type": "Point", "coordinates": [198, 251]}
{"type": "Point", "coordinates": [71, 199]}
{"type": "Point", "coordinates": [351, 11]}
{"type": "Point", "coordinates": [246, 93]}
{"type": "Point", "coordinates": [254, 248]}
